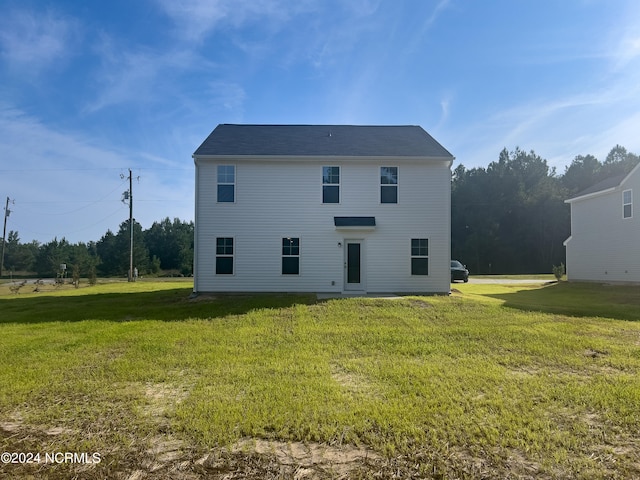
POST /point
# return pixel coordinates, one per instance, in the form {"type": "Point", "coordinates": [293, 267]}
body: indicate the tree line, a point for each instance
{"type": "Point", "coordinates": [167, 246]}
{"type": "Point", "coordinates": [509, 217]}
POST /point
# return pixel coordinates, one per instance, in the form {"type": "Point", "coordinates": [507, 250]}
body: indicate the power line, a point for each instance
{"type": "Point", "coordinates": [86, 227]}
{"type": "Point", "coordinates": [89, 203]}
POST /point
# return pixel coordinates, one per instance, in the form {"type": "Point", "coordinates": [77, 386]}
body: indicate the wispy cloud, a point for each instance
{"type": "Point", "coordinates": [562, 125]}
{"type": "Point", "coordinates": [31, 41]}
{"type": "Point", "coordinates": [228, 96]}
{"type": "Point", "coordinates": [36, 145]}
{"type": "Point", "coordinates": [437, 11]}
{"type": "Point", "coordinates": [622, 44]}
{"type": "Point", "coordinates": [195, 19]}
{"type": "Point", "coordinates": [69, 185]}
{"type": "Point", "coordinates": [135, 75]}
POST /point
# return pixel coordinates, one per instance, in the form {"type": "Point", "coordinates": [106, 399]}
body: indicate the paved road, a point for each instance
{"type": "Point", "coordinates": [509, 281]}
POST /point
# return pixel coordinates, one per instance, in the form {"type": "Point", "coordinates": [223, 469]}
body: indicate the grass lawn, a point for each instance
{"type": "Point", "coordinates": [494, 381]}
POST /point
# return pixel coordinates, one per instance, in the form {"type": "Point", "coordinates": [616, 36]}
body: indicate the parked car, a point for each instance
{"type": "Point", "coordinates": [459, 271]}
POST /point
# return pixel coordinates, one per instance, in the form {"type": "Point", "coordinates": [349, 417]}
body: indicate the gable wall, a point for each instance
{"type": "Point", "coordinates": [284, 199]}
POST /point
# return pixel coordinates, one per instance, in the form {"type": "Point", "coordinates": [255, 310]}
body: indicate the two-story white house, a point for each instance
{"type": "Point", "coordinates": [322, 208]}
{"type": "Point", "coordinates": [604, 245]}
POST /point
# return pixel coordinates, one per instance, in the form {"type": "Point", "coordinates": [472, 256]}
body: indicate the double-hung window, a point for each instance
{"type": "Point", "coordinates": [224, 256]}
{"type": "Point", "coordinates": [388, 184]}
{"type": "Point", "coordinates": [330, 184]}
{"type": "Point", "coordinates": [226, 183]}
{"type": "Point", "coordinates": [290, 256]}
{"type": "Point", "coordinates": [627, 204]}
{"type": "Point", "coordinates": [419, 256]}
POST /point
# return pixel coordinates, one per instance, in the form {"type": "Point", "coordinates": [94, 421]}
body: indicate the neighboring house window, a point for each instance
{"type": "Point", "coordinates": [330, 184]}
{"type": "Point", "coordinates": [224, 256]}
{"type": "Point", "coordinates": [388, 184]}
{"type": "Point", "coordinates": [226, 183]}
{"type": "Point", "coordinates": [419, 256]}
{"type": "Point", "coordinates": [290, 256]}
{"type": "Point", "coordinates": [627, 202]}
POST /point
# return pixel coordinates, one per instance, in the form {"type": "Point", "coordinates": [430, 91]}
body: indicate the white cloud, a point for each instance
{"type": "Point", "coordinates": [621, 44]}
{"type": "Point", "coordinates": [440, 7]}
{"type": "Point", "coordinates": [135, 76]}
{"type": "Point", "coordinates": [25, 138]}
{"type": "Point", "coordinates": [195, 19]}
{"type": "Point", "coordinates": [31, 41]}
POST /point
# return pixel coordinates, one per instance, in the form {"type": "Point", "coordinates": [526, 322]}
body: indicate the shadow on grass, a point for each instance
{"type": "Point", "coordinates": [165, 305]}
{"type": "Point", "coordinates": [577, 300]}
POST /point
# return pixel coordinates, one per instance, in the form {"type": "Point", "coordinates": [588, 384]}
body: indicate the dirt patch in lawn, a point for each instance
{"type": "Point", "coordinates": [351, 382]}
{"type": "Point", "coordinates": [164, 457]}
{"type": "Point", "coordinates": [421, 304]}
{"type": "Point", "coordinates": [295, 460]}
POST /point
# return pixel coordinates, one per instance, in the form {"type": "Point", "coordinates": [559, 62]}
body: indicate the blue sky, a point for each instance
{"type": "Point", "coordinates": [91, 89]}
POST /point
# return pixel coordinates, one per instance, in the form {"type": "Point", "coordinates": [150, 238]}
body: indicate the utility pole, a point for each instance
{"type": "Point", "coordinates": [7, 212]}
{"type": "Point", "coordinates": [131, 279]}
{"type": "Point", "coordinates": [128, 195]}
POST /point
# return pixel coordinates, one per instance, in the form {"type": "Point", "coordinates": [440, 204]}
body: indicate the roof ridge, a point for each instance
{"type": "Point", "coordinates": [316, 125]}
{"type": "Point", "coordinates": [290, 140]}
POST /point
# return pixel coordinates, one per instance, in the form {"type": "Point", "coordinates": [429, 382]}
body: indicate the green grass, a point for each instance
{"type": "Point", "coordinates": [506, 380]}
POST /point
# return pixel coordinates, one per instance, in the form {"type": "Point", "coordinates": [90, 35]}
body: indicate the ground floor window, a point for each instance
{"type": "Point", "coordinates": [290, 256]}
{"type": "Point", "coordinates": [419, 256]}
{"type": "Point", "coordinates": [224, 256]}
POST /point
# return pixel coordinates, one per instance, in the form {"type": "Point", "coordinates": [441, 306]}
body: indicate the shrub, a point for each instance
{"type": "Point", "coordinates": [558, 271]}
{"type": "Point", "coordinates": [92, 275]}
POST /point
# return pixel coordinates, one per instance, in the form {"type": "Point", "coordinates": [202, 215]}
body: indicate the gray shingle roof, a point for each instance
{"type": "Point", "coordinates": [321, 140]}
{"type": "Point", "coordinates": [605, 184]}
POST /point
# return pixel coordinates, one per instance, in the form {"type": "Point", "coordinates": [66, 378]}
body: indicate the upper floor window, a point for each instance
{"type": "Point", "coordinates": [226, 183]}
{"type": "Point", "coordinates": [419, 256]}
{"type": "Point", "coordinates": [290, 256]}
{"type": "Point", "coordinates": [627, 204]}
{"type": "Point", "coordinates": [388, 184]}
{"type": "Point", "coordinates": [330, 184]}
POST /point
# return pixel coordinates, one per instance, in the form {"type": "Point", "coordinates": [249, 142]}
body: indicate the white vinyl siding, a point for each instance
{"type": "Point", "coordinates": [259, 220]}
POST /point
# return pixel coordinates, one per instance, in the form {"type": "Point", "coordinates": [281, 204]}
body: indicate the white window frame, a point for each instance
{"type": "Point", "coordinates": [412, 256]}
{"type": "Point", "coordinates": [625, 204]}
{"type": "Point", "coordinates": [283, 255]}
{"type": "Point", "coordinates": [339, 185]}
{"type": "Point", "coordinates": [219, 182]}
{"type": "Point", "coordinates": [226, 255]}
{"type": "Point", "coordinates": [396, 185]}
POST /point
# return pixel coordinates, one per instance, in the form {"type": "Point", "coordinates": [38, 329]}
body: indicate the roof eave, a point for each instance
{"type": "Point", "coordinates": [592, 194]}
{"type": "Point", "coordinates": [311, 158]}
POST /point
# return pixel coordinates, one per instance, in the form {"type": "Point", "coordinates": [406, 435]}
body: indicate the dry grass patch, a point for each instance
{"type": "Point", "coordinates": [474, 385]}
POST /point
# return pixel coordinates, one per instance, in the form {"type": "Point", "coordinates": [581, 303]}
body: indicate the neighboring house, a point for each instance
{"type": "Point", "coordinates": [322, 208]}
{"type": "Point", "coordinates": [604, 245]}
